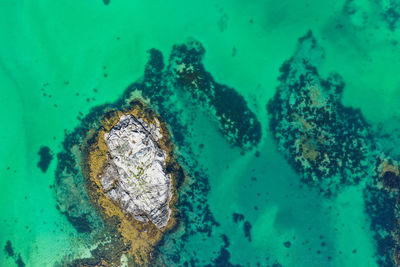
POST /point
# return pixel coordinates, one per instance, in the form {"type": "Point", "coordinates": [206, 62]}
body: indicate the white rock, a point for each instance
{"type": "Point", "coordinates": [135, 176]}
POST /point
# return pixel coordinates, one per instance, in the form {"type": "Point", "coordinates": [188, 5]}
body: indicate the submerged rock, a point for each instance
{"type": "Point", "coordinates": [327, 143]}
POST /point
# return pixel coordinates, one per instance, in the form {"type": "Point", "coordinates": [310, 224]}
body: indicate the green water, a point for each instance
{"type": "Point", "coordinates": [53, 54]}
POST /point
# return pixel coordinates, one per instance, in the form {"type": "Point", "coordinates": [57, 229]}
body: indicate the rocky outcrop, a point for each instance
{"type": "Point", "coordinates": [117, 182]}
{"type": "Point", "coordinates": [135, 176]}
{"type": "Point", "coordinates": [131, 177]}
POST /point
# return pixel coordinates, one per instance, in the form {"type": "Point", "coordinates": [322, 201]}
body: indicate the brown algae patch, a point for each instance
{"type": "Point", "coordinates": [140, 237]}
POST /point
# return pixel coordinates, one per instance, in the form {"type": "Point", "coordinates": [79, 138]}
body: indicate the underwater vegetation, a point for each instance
{"type": "Point", "coordinates": [9, 250]}
{"type": "Point", "coordinates": [236, 121]}
{"type": "Point", "coordinates": [46, 156]}
{"type": "Point", "coordinates": [324, 141]}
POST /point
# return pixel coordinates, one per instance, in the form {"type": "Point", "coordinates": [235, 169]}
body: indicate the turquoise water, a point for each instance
{"type": "Point", "coordinates": [58, 59]}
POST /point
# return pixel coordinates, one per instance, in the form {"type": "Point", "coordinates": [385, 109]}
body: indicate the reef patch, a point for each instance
{"type": "Point", "coordinates": [236, 121]}
{"type": "Point", "coordinates": [325, 142]}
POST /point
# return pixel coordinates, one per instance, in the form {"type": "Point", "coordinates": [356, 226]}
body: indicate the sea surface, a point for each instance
{"type": "Point", "coordinates": [59, 59]}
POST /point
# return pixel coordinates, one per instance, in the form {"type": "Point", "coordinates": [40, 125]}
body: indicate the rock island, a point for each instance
{"type": "Point", "coordinates": [130, 177]}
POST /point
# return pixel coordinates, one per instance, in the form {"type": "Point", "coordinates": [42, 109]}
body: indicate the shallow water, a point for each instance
{"type": "Point", "coordinates": [58, 59]}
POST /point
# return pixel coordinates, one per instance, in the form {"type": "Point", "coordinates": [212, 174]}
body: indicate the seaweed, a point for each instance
{"type": "Point", "coordinates": [236, 120]}
{"type": "Point", "coordinates": [9, 249]}
{"type": "Point", "coordinates": [81, 223]}
{"type": "Point", "coordinates": [45, 158]}
{"type": "Point", "coordinates": [247, 228]}
{"type": "Point", "coordinates": [11, 253]}
{"type": "Point", "coordinates": [237, 217]}
{"type": "Point", "coordinates": [324, 141]}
